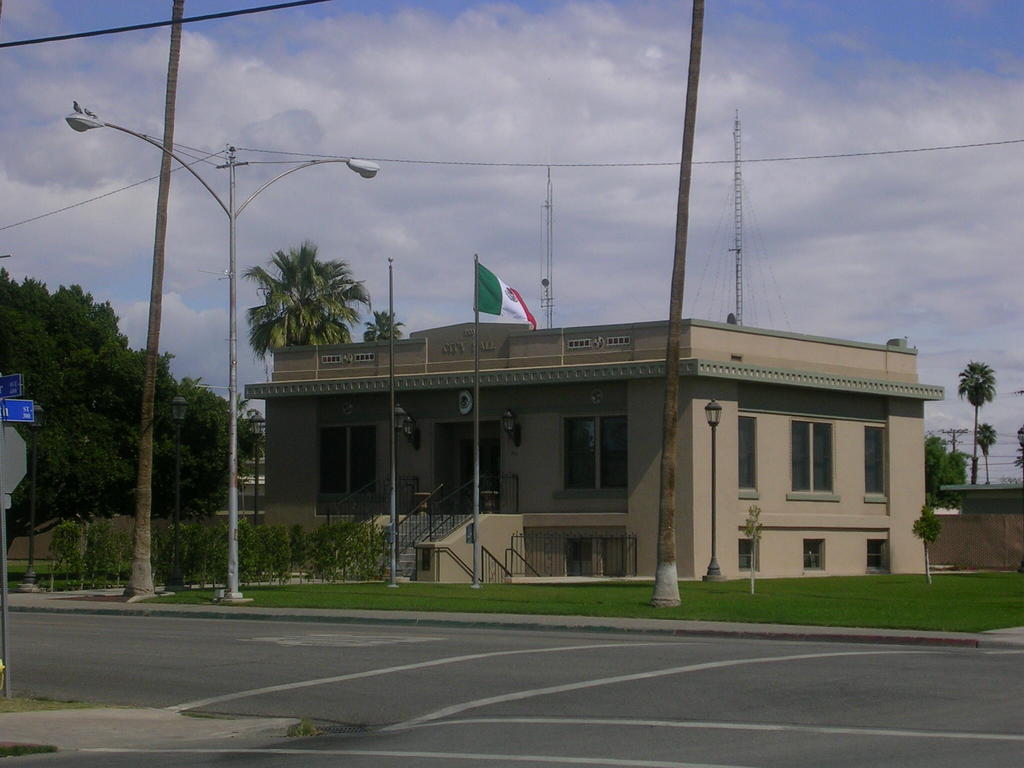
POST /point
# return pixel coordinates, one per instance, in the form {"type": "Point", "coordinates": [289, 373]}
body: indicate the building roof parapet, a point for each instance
{"type": "Point", "coordinates": [601, 372]}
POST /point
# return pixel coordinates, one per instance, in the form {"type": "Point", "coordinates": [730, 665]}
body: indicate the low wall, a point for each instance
{"type": "Point", "coordinates": [979, 541]}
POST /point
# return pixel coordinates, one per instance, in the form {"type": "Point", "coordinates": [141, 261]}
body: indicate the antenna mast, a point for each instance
{"type": "Point", "coordinates": [547, 302]}
{"type": "Point", "coordinates": [737, 175]}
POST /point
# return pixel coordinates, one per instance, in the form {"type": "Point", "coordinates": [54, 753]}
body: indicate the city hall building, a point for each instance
{"type": "Point", "coordinates": [825, 436]}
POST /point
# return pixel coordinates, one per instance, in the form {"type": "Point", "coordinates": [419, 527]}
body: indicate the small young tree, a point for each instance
{"type": "Point", "coordinates": [66, 548]}
{"type": "Point", "coordinates": [752, 528]}
{"type": "Point", "coordinates": [927, 528]}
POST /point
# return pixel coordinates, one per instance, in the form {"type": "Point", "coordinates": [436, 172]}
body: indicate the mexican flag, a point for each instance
{"type": "Point", "coordinates": [495, 297]}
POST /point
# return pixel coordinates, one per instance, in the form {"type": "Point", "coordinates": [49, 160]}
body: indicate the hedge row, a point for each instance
{"type": "Point", "coordinates": [96, 554]}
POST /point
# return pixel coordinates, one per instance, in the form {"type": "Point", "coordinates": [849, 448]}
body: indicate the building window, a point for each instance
{"type": "Point", "coordinates": [579, 344]}
{"type": "Point", "coordinates": [814, 554]}
{"type": "Point", "coordinates": [877, 560]}
{"type": "Point", "coordinates": [348, 459]}
{"type": "Point", "coordinates": [746, 554]}
{"type": "Point", "coordinates": [619, 341]}
{"type": "Point", "coordinates": [596, 454]}
{"type": "Point", "coordinates": [874, 460]}
{"type": "Point", "coordinates": [365, 357]}
{"type": "Point", "coordinates": [812, 456]}
{"type": "Point", "coordinates": [747, 452]}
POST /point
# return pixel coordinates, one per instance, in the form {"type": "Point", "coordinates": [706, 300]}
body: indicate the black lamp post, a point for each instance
{"type": "Point", "coordinates": [178, 408]}
{"type": "Point", "coordinates": [28, 584]}
{"type": "Point", "coordinates": [1020, 439]}
{"type": "Point", "coordinates": [258, 425]}
{"type": "Point", "coordinates": [713, 411]}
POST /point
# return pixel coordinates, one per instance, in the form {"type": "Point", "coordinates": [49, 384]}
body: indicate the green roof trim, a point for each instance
{"type": "Point", "coordinates": [599, 372]}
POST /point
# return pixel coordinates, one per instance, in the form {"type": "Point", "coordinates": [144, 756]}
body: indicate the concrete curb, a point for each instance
{"type": "Point", "coordinates": [566, 623]}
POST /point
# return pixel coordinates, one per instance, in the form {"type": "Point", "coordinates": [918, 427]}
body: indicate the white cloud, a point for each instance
{"type": "Point", "coordinates": [924, 245]}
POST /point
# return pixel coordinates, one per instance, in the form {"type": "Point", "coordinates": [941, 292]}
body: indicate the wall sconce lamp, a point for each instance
{"type": "Point", "coordinates": [512, 427]}
{"type": "Point", "coordinates": [405, 422]}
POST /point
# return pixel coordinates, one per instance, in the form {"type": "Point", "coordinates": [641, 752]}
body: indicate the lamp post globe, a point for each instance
{"type": "Point", "coordinates": [179, 406]}
{"type": "Point", "coordinates": [713, 412]}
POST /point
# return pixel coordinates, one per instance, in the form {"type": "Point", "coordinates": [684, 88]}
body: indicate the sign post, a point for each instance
{"type": "Point", "coordinates": [11, 474]}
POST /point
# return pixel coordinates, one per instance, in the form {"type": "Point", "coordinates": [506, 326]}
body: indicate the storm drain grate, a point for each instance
{"type": "Point", "coordinates": [342, 730]}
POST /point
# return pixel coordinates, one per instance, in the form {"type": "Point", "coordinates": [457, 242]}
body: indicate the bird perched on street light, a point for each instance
{"type": "Point", "coordinates": [82, 111]}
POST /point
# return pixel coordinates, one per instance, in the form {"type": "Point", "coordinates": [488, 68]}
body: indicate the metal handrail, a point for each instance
{"type": "Point", "coordinates": [510, 551]}
{"type": "Point", "coordinates": [493, 566]}
{"type": "Point", "coordinates": [458, 560]}
{"type": "Point", "coordinates": [361, 491]}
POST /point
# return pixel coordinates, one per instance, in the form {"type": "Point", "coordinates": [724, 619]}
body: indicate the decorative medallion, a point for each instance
{"type": "Point", "coordinates": [465, 402]}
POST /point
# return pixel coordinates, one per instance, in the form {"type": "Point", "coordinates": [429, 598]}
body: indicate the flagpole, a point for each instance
{"type": "Point", "coordinates": [392, 489]}
{"type": "Point", "coordinates": [476, 422]}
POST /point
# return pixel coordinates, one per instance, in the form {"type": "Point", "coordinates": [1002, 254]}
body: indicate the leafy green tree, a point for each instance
{"type": "Point", "coordinates": [942, 468]}
{"type": "Point", "coordinates": [986, 439]}
{"type": "Point", "coordinates": [752, 529]}
{"type": "Point", "coordinates": [78, 365]}
{"type": "Point", "coordinates": [978, 385]}
{"type": "Point", "coordinates": [382, 327]}
{"type": "Point", "coordinates": [927, 528]}
{"type": "Point", "coordinates": [306, 301]}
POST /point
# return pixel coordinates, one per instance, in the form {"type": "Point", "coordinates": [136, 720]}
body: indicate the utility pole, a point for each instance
{"type": "Point", "coordinates": [954, 435]}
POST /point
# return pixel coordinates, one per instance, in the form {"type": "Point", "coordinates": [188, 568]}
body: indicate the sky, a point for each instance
{"type": "Point", "coordinates": [466, 105]}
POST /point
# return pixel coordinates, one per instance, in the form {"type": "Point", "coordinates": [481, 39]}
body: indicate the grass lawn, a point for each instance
{"type": "Point", "coordinates": [954, 602]}
{"type": "Point", "coordinates": [38, 705]}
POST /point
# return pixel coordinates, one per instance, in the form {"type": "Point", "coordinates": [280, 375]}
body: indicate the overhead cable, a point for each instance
{"type": "Point", "coordinates": [155, 24]}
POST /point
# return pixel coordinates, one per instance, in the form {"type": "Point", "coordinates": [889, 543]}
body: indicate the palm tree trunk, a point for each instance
{"type": "Point", "coordinates": [974, 457]}
{"type": "Point", "coordinates": [140, 582]}
{"type": "Point", "coordinates": [666, 579]}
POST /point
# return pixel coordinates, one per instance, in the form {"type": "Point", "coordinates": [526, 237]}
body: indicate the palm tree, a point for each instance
{"type": "Point", "coordinates": [986, 439]}
{"type": "Point", "coordinates": [382, 327]}
{"type": "Point", "coordinates": [140, 581]}
{"type": "Point", "coordinates": [978, 385]}
{"type": "Point", "coordinates": [306, 301]}
{"type": "Point", "coordinates": [666, 578]}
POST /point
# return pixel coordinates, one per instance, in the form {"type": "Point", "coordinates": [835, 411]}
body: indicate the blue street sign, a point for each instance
{"type": "Point", "coordinates": [18, 410]}
{"type": "Point", "coordinates": [10, 386]}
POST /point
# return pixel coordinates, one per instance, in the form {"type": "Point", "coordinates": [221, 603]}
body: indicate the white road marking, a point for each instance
{"type": "Point", "coordinates": [519, 695]}
{"type": "Point", "coordinates": [392, 670]}
{"type": "Point", "coordinates": [1000, 653]}
{"type": "Point", "coordinates": [826, 729]}
{"type": "Point", "coordinates": [339, 640]}
{"type": "Point", "coordinates": [550, 759]}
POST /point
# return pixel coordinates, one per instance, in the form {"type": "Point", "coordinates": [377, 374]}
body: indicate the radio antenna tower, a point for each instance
{"type": "Point", "coordinates": [737, 176]}
{"type": "Point", "coordinates": [547, 301]}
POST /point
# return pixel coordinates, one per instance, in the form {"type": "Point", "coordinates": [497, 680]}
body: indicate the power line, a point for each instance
{"type": "Point", "coordinates": [469, 163]}
{"type": "Point", "coordinates": [155, 24]}
{"type": "Point", "coordinates": [779, 159]}
{"type": "Point", "coordinates": [100, 197]}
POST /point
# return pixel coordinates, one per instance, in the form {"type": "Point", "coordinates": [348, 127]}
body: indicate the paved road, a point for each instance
{"type": "Point", "coordinates": [428, 696]}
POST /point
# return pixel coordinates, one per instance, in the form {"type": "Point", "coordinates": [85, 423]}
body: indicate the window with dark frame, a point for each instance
{"type": "Point", "coordinates": [876, 555]}
{"type": "Point", "coordinates": [874, 460]}
{"type": "Point", "coordinates": [747, 452]}
{"type": "Point", "coordinates": [596, 452]}
{"type": "Point", "coordinates": [814, 554]}
{"type": "Point", "coordinates": [348, 459]}
{"type": "Point", "coordinates": [811, 455]}
{"type": "Point", "coordinates": [745, 554]}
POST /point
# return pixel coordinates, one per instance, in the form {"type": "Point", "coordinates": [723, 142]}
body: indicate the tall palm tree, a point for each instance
{"type": "Point", "coordinates": [986, 439]}
{"type": "Point", "coordinates": [978, 385]}
{"type": "Point", "coordinates": [382, 327]}
{"type": "Point", "coordinates": [666, 579]}
{"type": "Point", "coordinates": [140, 581]}
{"type": "Point", "coordinates": [306, 301]}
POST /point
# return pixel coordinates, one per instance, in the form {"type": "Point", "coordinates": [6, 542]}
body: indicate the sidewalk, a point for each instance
{"type": "Point", "coordinates": [117, 727]}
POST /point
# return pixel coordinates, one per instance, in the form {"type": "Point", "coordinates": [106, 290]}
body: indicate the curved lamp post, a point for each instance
{"type": "Point", "coordinates": [84, 121]}
{"type": "Point", "coordinates": [713, 411]}
{"type": "Point", "coordinates": [28, 584]}
{"type": "Point", "coordinates": [179, 406]}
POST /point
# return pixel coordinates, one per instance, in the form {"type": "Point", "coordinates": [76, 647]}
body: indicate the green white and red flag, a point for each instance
{"type": "Point", "coordinates": [496, 297]}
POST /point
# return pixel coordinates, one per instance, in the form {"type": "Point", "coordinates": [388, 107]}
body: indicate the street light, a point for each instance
{"type": "Point", "coordinates": [28, 584]}
{"type": "Point", "coordinates": [1020, 439]}
{"type": "Point", "coordinates": [178, 408]}
{"type": "Point", "coordinates": [258, 425]}
{"type": "Point", "coordinates": [83, 121]}
{"type": "Point", "coordinates": [713, 411]}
